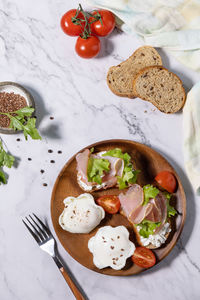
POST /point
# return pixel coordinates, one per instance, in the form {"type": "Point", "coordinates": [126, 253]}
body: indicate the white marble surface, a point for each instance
{"type": "Point", "coordinates": [35, 52]}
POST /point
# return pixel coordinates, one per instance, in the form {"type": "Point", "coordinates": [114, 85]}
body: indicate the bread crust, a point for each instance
{"type": "Point", "coordinates": [156, 67]}
{"type": "Point", "coordinates": [132, 95]}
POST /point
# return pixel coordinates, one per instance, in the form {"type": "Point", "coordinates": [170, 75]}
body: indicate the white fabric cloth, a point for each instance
{"type": "Point", "coordinates": [191, 131]}
{"type": "Point", "coordinates": [171, 24]}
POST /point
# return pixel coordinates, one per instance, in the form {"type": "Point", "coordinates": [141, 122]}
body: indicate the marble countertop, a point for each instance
{"type": "Point", "coordinates": [35, 53]}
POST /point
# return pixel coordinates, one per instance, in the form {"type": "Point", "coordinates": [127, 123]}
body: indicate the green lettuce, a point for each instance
{"type": "Point", "coordinates": [129, 175]}
{"type": "Point", "coordinates": [171, 212]}
{"type": "Point", "coordinates": [96, 168]}
{"type": "Point", "coordinates": [149, 192]}
{"type": "Point", "coordinates": [147, 228]}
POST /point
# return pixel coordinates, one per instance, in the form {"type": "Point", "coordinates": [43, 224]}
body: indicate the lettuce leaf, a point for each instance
{"type": "Point", "coordinates": [171, 212]}
{"type": "Point", "coordinates": [147, 228]}
{"type": "Point", "coordinates": [129, 175]}
{"type": "Point", "coordinates": [149, 192]}
{"type": "Point", "coordinates": [96, 168]}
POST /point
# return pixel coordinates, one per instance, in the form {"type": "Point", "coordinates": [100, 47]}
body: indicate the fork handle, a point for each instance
{"type": "Point", "coordinates": [72, 285]}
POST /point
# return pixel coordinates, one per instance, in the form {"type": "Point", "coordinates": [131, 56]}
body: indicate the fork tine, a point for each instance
{"type": "Point", "coordinates": [31, 232]}
{"type": "Point", "coordinates": [43, 226]}
{"type": "Point", "coordinates": [37, 232]}
{"type": "Point", "coordinates": [39, 228]}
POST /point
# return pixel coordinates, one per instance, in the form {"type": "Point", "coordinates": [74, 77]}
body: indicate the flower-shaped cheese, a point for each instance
{"type": "Point", "coordinates": [81, 214]}
{"type": "Point", "coordinates": [111, 247]}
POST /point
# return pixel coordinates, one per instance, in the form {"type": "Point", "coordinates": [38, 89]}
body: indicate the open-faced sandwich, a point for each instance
{"type": "Point", "coordinates": [149, 211]}
{"type": "Point", "coordinates": [104, 169]}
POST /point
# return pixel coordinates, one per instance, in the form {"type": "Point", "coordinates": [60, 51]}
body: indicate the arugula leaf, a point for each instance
{"type": "Point", "coordinates": [149, 192]}
{"type": "Point", "coordinates": [147, 228]}
{"type": "Point", "coordinates": [96, 168]}
{"type": "Point", "coordinates": [171, 212]}
{"type": "Point", "coordinates": [21, 120]}
{"type": "Point", "coordinates": [129, 175]}
{"type": "Point", "coordinates": [2, 177]}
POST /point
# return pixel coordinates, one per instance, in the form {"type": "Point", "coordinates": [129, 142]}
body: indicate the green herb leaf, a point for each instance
{"type": "Point", "coordinates": [2, 177]}
{"type": "Point", "coordinates": [171, 212]}
{"type": "Point", "coordinates": [5, 158]}
{"type": "Point", "coordinates": [149, 192]}
{"type": "Point", "coordinates": [129, 175]}
{"type": "Point", "coordinates": [25, 111]}
{"type": "Point", "coordinates": [147, 228]}
{"type": "Point", "coordinates": [30, 129]}
{"type": "Point", "coordinates": [21, 120]}
{"type": "Point", "coordinates": [96, 168]}
{"type": "Point", "coordinates": [15, 123]}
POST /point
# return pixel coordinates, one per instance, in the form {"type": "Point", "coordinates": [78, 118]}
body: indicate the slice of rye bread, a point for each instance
{"type": "Point", "coordinates": [120, 78]}
{"type": "Point", "coordinates": [162, 88]}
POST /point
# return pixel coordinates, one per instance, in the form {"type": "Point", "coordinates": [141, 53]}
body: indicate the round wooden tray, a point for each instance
{"type": "Point", "coordinates": [150, 163]}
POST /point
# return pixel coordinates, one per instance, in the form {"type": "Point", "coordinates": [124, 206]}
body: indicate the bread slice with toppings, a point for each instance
{"type": "Point", "coordinates": [161, 87]}
{"type": "Point", "coordinates": [120, 78]}
{"type": "Point", "coordinates": [158, 240]}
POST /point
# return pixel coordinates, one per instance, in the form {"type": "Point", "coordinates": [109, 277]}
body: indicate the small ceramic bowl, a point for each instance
{"type": "Point", "coordinates": [12, 87]}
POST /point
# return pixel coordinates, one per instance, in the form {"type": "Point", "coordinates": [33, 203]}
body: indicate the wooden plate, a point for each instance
{"type": "Point", "coordinates": [150, 163]}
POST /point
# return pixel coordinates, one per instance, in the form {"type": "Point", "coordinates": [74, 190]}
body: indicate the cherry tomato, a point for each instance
{"type": "Point", "coordinates": [144, 257]}
{"type": "Point", "coordinates": [110, 203]}
{"type": "Point", "coordinates": [88, 48]}
{"type": "Point", "coordinates": [68, 26]}
{"type": "Point", "coordinates": [167, 181]}
{"type": "Point", "coordinates": [106, 26]}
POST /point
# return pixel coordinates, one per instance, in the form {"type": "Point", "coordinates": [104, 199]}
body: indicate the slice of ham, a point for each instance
{"type": "Point", "coordinates": [109, 179]}
{"type": "Point", "coordinates": [82, 164]}
{"type": "Point", "coordinates": [155, 210]}
{"type": "Point", "coordinates": [140, 213]}
{"type": "Point", "coordinates": [132, 199]}
{"type": "Point", "coordinates": [163, 206]}
{"type": "Point", "coordinates": [116, 165]}
{"type": "Point", "coordinates": [155, 215]}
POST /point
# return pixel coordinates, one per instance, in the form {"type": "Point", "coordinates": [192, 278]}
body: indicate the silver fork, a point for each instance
{"type": "Point", "coordinates": [47, 243]}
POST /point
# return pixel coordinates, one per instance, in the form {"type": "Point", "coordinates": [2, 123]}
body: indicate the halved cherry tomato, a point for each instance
{"type": "Point", "coordinates": [144, 257]}
{"type": "Point", "coordinates": [104, 26]}
{"type": "Point", "coordinates": [88, 48]}
{"type": "Point", "coordinates": [68, 26]}
{"type": "Point", "coordinates": [110, 203]}
{"type": "Point", "coordinates": [167, 180]}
